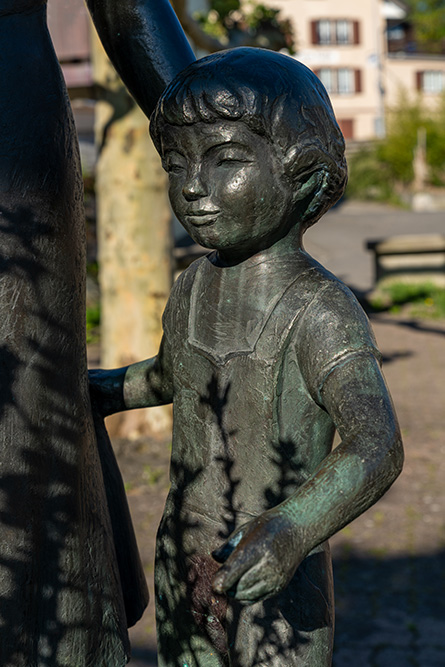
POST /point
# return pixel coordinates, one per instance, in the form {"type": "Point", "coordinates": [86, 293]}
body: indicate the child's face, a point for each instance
{"type": "Point", "coordinates": [226, 186]}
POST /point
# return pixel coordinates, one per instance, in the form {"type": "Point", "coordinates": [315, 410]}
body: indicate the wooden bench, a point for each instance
{"type": "Point", "coordinates": [410, 257]}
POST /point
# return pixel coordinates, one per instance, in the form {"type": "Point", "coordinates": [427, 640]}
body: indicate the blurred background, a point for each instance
{"type": "Point", "coordinates": [383, 64]}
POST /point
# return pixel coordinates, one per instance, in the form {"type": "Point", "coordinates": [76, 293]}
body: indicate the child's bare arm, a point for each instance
{"type": "Point", "coordinates": [262, 556]}
{"type": "Point", "coordinates": [145, 43]}
{"type": "Point", "coordinates": [145, 384]}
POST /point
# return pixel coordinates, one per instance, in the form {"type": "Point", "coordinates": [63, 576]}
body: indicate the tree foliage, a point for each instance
{"type": "Point", "coordinates": [230, 23]}
{"type": "Point", "coordinates": [384, 168]}
{"type": "Point", "coordinates": [428, 18]}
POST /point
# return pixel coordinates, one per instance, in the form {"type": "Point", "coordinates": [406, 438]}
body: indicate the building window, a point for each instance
{"type": "Point", "coordinates": [431, 81]}
{"type": "Point", "coordinates": [335, 32]}
{"type": "Point", "coordinates": [343, 32]}
{"type": "Point", "coordinates": [324, 32]}
{"type": "Point", "coordinates": [340, 81]}
{"type": "Point", "coordinates": [347, 127]}
{"type": "Point", "coordinates": [345, 81]}
{"type": "Point", "coordinates": [395, 33]}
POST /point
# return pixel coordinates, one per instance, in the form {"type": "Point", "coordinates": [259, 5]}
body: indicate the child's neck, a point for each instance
{"type": "Point", "coordinates": [284, 246]}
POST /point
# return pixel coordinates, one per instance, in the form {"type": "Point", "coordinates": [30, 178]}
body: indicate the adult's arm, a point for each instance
{"type": "Point", "coordinates": [145, 43]}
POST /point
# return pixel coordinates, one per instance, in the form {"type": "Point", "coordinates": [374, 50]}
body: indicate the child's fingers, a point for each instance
{"type": "Point", "coordinates": [222, 554]}
{"type": "Point", "coordinates": [237, 564]}
{"type": "Point", "coordinates": [256, 593]}
{"type": "Point", "coordinates": [252, 579]}
{"type": "Point", "coordinates": [226, 550]}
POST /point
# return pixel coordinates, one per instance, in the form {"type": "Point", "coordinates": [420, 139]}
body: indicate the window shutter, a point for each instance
{"type": "Point", "coordinates": [419, 80]}
{"type": "Point", "coordinates": [347, 127]}
{"type": "Point", "coordinates": [314, 32]}
{"type": "Point", "coordinates": [358, 80]}
{"type": "Point", "coordinates": [356, 32]}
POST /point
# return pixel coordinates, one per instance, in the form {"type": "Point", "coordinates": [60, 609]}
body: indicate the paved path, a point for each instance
{"type": "Point", "coordinates": [390, 563]}
{"type": "Point", "coordinates": [338, 239]}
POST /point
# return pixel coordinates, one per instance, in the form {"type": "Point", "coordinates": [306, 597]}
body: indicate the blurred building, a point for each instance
{"type": "Point", "coordinates": [68, 23]}
{"type": "Point", "coordinates": [364, 52]}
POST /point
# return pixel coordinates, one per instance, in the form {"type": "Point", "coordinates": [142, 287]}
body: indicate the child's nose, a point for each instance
{"type": "Point", "coordinates": [194, 187]}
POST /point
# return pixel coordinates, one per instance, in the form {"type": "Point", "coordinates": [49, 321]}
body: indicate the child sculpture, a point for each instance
{"type": "Point", "coordinates": [265, 353]}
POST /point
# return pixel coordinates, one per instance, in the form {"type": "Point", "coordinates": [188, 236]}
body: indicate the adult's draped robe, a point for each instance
{"type": "Point", "coordinates": [70, 575]}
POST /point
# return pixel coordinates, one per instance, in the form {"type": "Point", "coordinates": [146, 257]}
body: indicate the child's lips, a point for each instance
{"type": "Point", "coordinates": [201, 217]}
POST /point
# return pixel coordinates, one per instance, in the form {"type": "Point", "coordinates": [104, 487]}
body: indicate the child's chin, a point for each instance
{"type": "Point", "coordinates": [205, 238]}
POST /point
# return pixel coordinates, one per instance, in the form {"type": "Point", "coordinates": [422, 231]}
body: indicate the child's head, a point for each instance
{"type": "Point", "coordinates": [274, 96]}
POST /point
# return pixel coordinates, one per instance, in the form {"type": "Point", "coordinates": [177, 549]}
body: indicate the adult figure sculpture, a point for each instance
{"type": "Point", "coordinates": [70, 577]}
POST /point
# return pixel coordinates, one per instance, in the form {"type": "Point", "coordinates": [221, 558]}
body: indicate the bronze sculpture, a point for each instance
{"type": "Point", "coordinates": [264, 354]}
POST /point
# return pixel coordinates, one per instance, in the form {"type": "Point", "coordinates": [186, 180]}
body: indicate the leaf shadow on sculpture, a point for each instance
{"type": "Point", "coordinates": [187, 605]}
{"type": "Point", "coordinates": [44, 605]}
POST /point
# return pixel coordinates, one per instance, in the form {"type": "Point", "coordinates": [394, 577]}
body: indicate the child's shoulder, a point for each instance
{"type": "Point", "coordinates": [179, 300]}
{"type": "Point", "coordinates": [333, 326]}
{"type": "Point", "coordinates": [186, 278]}
{"type": "Point", "coordinates": [321, 291]}
{"type": "Point", "coordinates": [330, 306]}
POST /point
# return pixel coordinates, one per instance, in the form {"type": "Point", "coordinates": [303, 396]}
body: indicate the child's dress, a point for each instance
{"type": "Point", "coordinates": [250, 352]}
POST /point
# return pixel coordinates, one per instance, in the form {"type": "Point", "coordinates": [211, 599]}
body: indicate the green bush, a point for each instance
{"type": "Point", "coordinates": [93, 324]}
{"type": "Point", "coordinates": [386, 167]}
{"type": "Point", "coordinates": [263, 24]}
{"type": "Point", "coordinates": [369, 178]}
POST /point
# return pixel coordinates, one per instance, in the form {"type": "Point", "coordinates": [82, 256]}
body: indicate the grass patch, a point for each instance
{"type": "Point", "coordinates": [152, 475]}
{"type": "Point", "coordinates": [93, 324]}
{"type": "Point", "coordinates": [421, 300]}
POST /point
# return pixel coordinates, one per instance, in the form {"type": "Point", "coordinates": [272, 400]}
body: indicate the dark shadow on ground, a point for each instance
{"type": "Point", "coordinates": [390, 610]}
{"type": "Point", "coordinates": [388, 358]}
{"type": "Point", "coordinates": [424, 326]}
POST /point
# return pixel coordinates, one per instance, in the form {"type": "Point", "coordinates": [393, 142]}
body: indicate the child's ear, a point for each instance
{"type": "Point", "coordinates": [307, 175]}
{"type": "Point", "coordinates": [310, 179]}
{"type": "Point", "coordinates": [315, 189]}
{"type": "Point", "coordinates": [312, 188]}
{"type": "Point", "coordinates": [309, 184]}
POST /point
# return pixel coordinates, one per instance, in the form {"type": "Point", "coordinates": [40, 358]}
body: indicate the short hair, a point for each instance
{"type": "Point", "coordinates": [275, 96]}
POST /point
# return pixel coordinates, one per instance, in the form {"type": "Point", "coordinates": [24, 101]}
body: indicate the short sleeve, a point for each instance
{"type": "Point", "coordinates": [332, 331]}
{"type": "Point", "coordinates": [175, 315]}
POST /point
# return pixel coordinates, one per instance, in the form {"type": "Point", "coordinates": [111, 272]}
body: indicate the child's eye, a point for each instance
{"type": "Point", "coordinates": [232, 161]}
{"type": "Point", "coordinates": [173, 162]}
{"type": "Point", "coordinates": [173, 168]}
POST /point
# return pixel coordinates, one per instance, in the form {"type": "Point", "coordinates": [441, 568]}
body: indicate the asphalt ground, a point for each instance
{"type": "Point", "coordinates": [339, 239]}
{"type": "Point", "coordinates": [389, 564]}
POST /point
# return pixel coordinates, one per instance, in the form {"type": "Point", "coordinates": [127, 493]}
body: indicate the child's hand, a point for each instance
{"type": "Point", "coordinates": [106, 391]}
{"type": "Point", "coordinates": [260, 558]}
{"type": "Point", "coordinates": [95, 382]}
